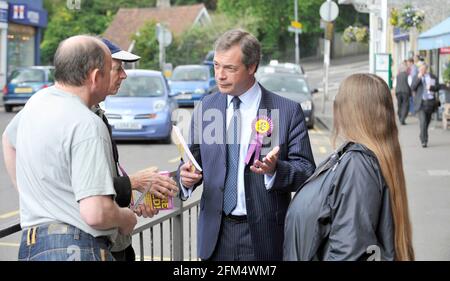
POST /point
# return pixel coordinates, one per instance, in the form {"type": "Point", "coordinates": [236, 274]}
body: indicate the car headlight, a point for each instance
{"type": "Point", "coordinates": [306, 105]}
{"type": "Point", "coordinates": [200, 91]}
{"type": "Point", "coordinates": [159, 106]}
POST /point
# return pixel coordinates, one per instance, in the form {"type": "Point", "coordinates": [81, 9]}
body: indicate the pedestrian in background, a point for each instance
{"type": "Point", "coordinates": [426, 87]}
{"type": "Point", "coordinates": [354, 206]}
{"type": "Point", "coordinates": [403, 93]}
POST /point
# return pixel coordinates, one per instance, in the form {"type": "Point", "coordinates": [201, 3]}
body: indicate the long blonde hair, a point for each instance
{"type": "Point", "coordinates": [364, 113]}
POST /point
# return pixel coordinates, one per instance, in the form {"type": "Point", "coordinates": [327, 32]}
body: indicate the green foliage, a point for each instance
{"type": "Point", "coordinates": [93, 18]}
{"type": "Point", "coordinates": [210, 4]}
{"type": "Point", "coordinates": [147, 47]}
{"type": "Point", "coordinates": [194, 44]}
{"type": "Point", "coordinates": [356, 34]}
{"type": "Point", "coordinates": [446, 74]}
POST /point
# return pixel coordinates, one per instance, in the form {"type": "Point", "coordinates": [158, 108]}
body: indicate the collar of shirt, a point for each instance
{"type": "Point", "coordinates": [248, 99]}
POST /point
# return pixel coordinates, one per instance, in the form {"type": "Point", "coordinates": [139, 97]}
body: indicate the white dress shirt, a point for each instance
{"type": "Point", "coordinates": [250, 101]}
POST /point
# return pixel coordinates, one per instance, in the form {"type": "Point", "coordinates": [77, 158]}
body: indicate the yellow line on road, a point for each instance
{"type": "Point", "coordinates": [10, 214]}
{"type": "Point", "coordinates": [5, 244]}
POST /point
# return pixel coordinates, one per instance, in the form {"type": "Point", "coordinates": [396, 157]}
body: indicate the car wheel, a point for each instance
{"type": "Point", "coordinates": [8, 108]}
{"type": "Point", "coordinates": [167, 140]}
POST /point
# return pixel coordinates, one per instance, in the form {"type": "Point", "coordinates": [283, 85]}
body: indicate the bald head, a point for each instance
{"type": "Point", "coordinates": [77, 56]}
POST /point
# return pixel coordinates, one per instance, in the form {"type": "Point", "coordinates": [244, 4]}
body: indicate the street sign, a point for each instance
{"type": "Point", "coordinates": [296, 24]}
{"type": "Point", "coordinates": [329, 11]}
{"type": "Point", "coordinates": [293, 29]}
{"type": "Point", "coordinates": [163, 35]}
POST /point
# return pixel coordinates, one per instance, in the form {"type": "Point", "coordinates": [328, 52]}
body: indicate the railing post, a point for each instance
{"type": "Point", "coordinates": [178, 246]}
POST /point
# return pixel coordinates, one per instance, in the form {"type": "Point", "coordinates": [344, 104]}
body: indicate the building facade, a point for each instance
{"type": "Point", "coordinates": [26, 21]}
{"type": "Point", "coordinates": [3, 41]}
{"type": "Point", "coordinates": [403, 44]}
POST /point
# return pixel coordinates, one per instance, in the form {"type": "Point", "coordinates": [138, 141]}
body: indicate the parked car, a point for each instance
{"type": "Point", "coordinates": [286, 67]}
{"type": "Point", "coordinates": [293, 87]}
{"type": "Point", "coordinates": [190, 83]}
{"type": "Point", "coordinates": [209, 58]}
{"type": "Point", "coordinates": [23, 82]}
{"type": "Point", "coordinates": [142, 108]}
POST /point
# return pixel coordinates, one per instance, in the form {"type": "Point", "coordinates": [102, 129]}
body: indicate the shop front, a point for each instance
{"type": "Point", "coordinates": [26, 21]}
{"type": "Point", "coordinates": [436, 41]}
{"type": "Point", "coordinates": [3, 41]}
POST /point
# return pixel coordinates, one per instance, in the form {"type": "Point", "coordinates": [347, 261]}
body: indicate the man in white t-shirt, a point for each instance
{"type": "Point", "coordinates": [64, 166]}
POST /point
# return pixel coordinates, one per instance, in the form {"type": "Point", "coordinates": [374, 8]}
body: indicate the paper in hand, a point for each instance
{"type": "Point", "coordinates": [183, 148]}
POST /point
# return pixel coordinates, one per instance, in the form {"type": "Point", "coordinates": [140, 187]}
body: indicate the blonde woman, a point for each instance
{"type": "Point", "coordinates": [354, 207]}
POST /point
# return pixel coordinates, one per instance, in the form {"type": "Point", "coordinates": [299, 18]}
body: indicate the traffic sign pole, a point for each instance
{"type": "Point", "coordinates": [297, 47]}
{"type": "Point", "coordinates": [328, 12]}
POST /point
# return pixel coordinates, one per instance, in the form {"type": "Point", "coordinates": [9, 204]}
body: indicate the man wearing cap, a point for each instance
{"type": "Point", "coordinates": [123, 184]}
{"type": "Point", "coordinates": [123, 250]}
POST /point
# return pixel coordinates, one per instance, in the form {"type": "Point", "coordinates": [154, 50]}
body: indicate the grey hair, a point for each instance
{"type": "Point", "coordinates": [250, 46]}
{"type": "Point", "coordinates": [76, 57]}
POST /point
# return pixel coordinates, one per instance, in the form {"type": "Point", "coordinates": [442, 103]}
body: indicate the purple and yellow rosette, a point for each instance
{"type": "Point", "coordinates": [262, 126]}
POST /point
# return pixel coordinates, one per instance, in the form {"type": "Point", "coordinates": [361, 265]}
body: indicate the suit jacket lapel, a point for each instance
{"type": "Point", "coordinates": [222, 106]}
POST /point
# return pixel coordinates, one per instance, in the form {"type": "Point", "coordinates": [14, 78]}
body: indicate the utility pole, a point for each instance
{"type": "Point", "coordinates": [297, 47]}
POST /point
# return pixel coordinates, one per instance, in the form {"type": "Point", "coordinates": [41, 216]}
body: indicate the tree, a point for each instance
{"type": "Point", "coordinates": [147, 47]}
{"type": "Point", "coordinates": [192, 46]}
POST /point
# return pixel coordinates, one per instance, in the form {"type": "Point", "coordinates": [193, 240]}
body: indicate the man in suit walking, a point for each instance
{"type": "Point", "coordinates": [245, 196]}
{"type": "Point", "coordinates": [403, 93]}
{"type": "Point", "coordinates": [426, 86]}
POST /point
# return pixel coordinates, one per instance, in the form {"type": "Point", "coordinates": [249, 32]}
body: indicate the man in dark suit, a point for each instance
{"type": "Point", "coordinates": [403, 93]}
{"type": "Point", "coordinates": [426, 86]}
{"type": "Point", "coordinates": [245, 197]}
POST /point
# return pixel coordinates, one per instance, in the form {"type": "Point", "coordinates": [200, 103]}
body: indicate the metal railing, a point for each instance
{"type": "Point", "coordinates": [174, 221]}
{"type": "Point", "coordinates": [175, 224]}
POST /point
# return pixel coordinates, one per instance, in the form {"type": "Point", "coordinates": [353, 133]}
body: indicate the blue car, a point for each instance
{"type": "Point", "coordinates": [23, 82]}
{"type": "Point", "coordinates": [190, 83]}
{"type": "Point", "coordinates": [142, 108]}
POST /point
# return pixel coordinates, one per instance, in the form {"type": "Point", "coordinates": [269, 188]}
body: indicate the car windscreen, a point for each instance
{"type": "Point", "coordinates": [141, 86]}
{"type": "Point", "coordinates": [27, 76]}
{"type": "Point", "coordinates": [280, 83]}
{"type": "Point", "coordinates": [190, 74]}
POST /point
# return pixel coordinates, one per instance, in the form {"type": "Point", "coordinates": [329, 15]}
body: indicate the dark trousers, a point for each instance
{"type": "Point", "coordinates": [126, 255]}
{"type": "Point", "coordinates": [234, 243]}
{"type": "Point", "coordinates": [425, 112]}
{"type": "Point", "coordinates": [403, 104]}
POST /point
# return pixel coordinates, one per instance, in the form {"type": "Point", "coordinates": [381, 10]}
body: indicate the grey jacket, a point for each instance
{"type": "Point", "coordinates": [342, 212]}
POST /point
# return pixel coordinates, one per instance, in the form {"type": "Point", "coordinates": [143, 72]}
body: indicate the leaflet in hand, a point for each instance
{"type": "Point", "coordinates": [183, 148]}
{"type": "Point", "coordinates": [152, 201]}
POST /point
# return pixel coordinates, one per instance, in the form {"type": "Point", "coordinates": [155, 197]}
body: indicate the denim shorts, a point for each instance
{"type": "Point", "coordinates": [62, 242]}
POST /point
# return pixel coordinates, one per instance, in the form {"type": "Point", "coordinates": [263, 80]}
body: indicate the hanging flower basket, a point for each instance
{"type": "Point", "coordinates": [356, 34]}
{"type": "Point", "coordinates": [393, 20]}
{"type": "Point", "coordinates": [408, 18]}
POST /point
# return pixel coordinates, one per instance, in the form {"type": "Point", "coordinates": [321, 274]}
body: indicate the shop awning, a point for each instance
{"type": "Point", "coordinates": [436, 37]}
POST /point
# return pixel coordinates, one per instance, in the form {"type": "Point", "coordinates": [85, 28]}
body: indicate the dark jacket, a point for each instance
{"type": "Point", "coordinates": [417, 86]}
{"type": "Point", "coordinates": [266, 209]}
{"type": "Point", "coordinates": [342, 212]}
{"type": "Point", "coordinates": [402, 83]}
